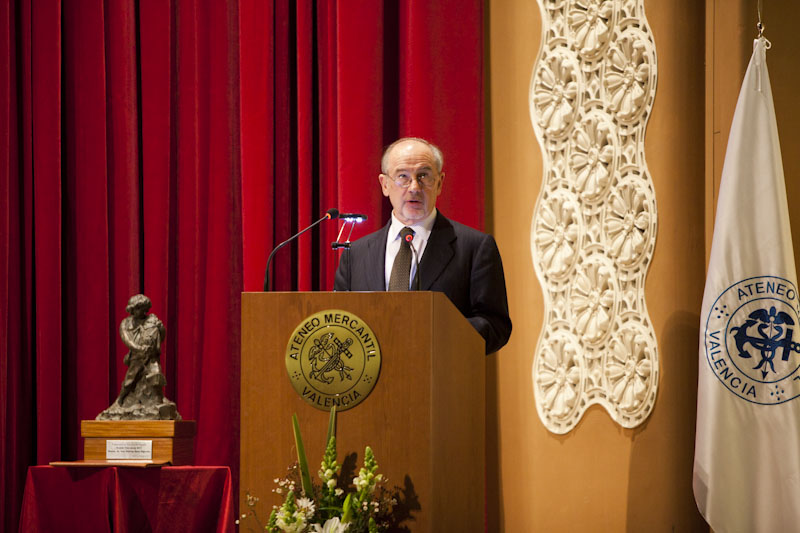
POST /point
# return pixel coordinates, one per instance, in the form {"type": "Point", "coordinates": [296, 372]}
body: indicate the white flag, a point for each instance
{"type": "Point", "coordinates": [747, 448]}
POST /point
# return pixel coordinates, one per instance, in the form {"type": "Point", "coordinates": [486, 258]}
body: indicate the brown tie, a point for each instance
{"type": "Point", "coordinates": [401, 269]}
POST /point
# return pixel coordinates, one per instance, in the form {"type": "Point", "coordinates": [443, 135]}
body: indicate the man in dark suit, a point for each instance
{"type": "Point", "coordinates": [454, 259]}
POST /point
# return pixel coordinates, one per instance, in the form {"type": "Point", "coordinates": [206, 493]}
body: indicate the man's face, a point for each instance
{"type": "Point", "coordinates": [415, 160]}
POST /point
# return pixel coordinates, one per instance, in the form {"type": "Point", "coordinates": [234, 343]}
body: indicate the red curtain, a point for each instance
{"type": "Point", "coordinates": [165, 147]}
{"type": "Point", "coordinates": [325, 86]}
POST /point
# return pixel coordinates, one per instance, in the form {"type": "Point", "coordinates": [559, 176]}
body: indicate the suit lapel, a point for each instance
{"type": "Point", "coordinates": [438, 252]}
{"type": "Point", "coordinates": [376, 260]}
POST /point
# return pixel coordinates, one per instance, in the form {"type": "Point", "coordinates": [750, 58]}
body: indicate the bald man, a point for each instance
{"type": "Point", "coordinates": [454, 259]}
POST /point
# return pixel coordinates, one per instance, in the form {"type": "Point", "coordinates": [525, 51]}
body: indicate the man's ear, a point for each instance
{"type": "Point", "coordinates": [385, 181]}
{"type": "Point", "coordinates": [441, 182]}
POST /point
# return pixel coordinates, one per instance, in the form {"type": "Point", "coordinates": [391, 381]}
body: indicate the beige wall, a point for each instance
{"type": "Point", "coordinates": [730, 25]}
{"type": "Point", "coordinates": [600, 477]}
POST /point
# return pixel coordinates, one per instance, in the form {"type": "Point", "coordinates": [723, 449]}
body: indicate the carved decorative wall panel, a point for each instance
{"type": "Point", "coordinates": [594, 227]}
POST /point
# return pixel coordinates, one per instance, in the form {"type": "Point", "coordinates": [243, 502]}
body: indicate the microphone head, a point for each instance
{"type": "Point", "coordinates": [332, 213]}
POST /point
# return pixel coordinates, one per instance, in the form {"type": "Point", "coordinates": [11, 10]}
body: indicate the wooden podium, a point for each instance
{"type": "Point", "coordinates": [424, 419]}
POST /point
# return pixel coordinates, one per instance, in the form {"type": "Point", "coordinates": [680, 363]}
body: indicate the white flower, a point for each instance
{"type": "Point", "coordinates": [306, 506]}
{"type": "Point", "coordinates": [592, 299]}
{"type": "Point", "coordinates": [627, 80]}
{"type": "Point", "coordinates": [332, 525]}
{"type": "Point", "coordinates": [589, 21]}
{"type": "Point", "coordinates": [331, 483]}
{"type": "Point", "coordinates": [557, 234]}
{"type": "Point", "coordinates": [626, 224]}
{"type": "Point", "coordinates": [338, 492]}
{"type": "Point", "coordinates": [555, 95]}
{"type": "Point", "coordinates": [593, 157]}
{"type": "Point", "coordinates": [559, 377]}
{"type": "Point", "coordinates": [285, 523]}
{"type": "Point", "coordinates": [629, 369]}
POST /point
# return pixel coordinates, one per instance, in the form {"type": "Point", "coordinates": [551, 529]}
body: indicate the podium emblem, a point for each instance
{"type": "Point", "coordinates": [333, 358]}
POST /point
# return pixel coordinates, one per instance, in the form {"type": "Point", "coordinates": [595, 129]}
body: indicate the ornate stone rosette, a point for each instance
{"type": "Point", "coordinates": [594, 227]}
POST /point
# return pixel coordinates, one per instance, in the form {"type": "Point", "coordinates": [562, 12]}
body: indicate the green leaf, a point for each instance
{"type": "Point", "coordinates": [331, 425]}
{"type": "Point", "coordinates": [347, 509]}
{"type": "Point", "coordinates": [308, 490]}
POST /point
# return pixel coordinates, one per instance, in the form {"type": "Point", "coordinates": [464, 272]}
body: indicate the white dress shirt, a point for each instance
{"type": "Point", "coordinates": [422, 233]}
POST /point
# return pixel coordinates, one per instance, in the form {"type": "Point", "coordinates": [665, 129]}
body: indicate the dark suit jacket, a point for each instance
{"type": "Point", "coordinates": [459, 261]}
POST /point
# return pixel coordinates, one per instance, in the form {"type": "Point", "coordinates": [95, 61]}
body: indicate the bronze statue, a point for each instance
{"type": "Point", "coordinates": [142, 394]}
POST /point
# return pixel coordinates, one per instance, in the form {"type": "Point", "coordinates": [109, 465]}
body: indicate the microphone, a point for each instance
{"type": "Point", "coordinates": [329, 215]}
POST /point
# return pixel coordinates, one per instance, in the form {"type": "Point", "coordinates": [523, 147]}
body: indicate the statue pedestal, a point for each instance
{"type": "Point", "coordinates": [139, 442]}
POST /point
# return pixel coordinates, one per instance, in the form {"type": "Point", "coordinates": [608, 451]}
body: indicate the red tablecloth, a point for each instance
{"type": "Point", "coordinates": [119, 499]}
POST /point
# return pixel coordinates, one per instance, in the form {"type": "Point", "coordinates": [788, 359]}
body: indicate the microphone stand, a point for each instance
{"type": "Point", "coordinates": [330, 214]}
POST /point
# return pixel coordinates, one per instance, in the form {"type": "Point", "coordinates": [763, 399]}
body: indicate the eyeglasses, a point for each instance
{"type": "Point", "coordinates": [425, 181]}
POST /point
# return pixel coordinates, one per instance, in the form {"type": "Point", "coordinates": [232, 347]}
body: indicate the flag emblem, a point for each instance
{"type": "Point", "coordinates": [750, 341]}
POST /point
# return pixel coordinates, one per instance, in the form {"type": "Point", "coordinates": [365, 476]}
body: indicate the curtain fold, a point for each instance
{"type": "Point", "coordinates": [166, 147]}
{"type": "Point", "coordinates": [16, 406]}
{"type": "Point", "coordinates": [40, 64]}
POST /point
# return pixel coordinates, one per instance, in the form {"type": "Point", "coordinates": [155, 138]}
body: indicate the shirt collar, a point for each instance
{"type": "Point", "coordinates": [422, 228]}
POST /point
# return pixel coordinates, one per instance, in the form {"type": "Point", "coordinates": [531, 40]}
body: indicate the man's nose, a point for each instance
{"type": "Point", "coordinates": [414, 183]}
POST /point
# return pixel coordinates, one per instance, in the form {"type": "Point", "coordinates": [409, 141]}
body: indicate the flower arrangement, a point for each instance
{"type": "Point", "coordinates": [329, 504]}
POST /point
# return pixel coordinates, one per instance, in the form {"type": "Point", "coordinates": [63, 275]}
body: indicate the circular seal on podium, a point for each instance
{"type": "Point", "coordinates": [333, 359]}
